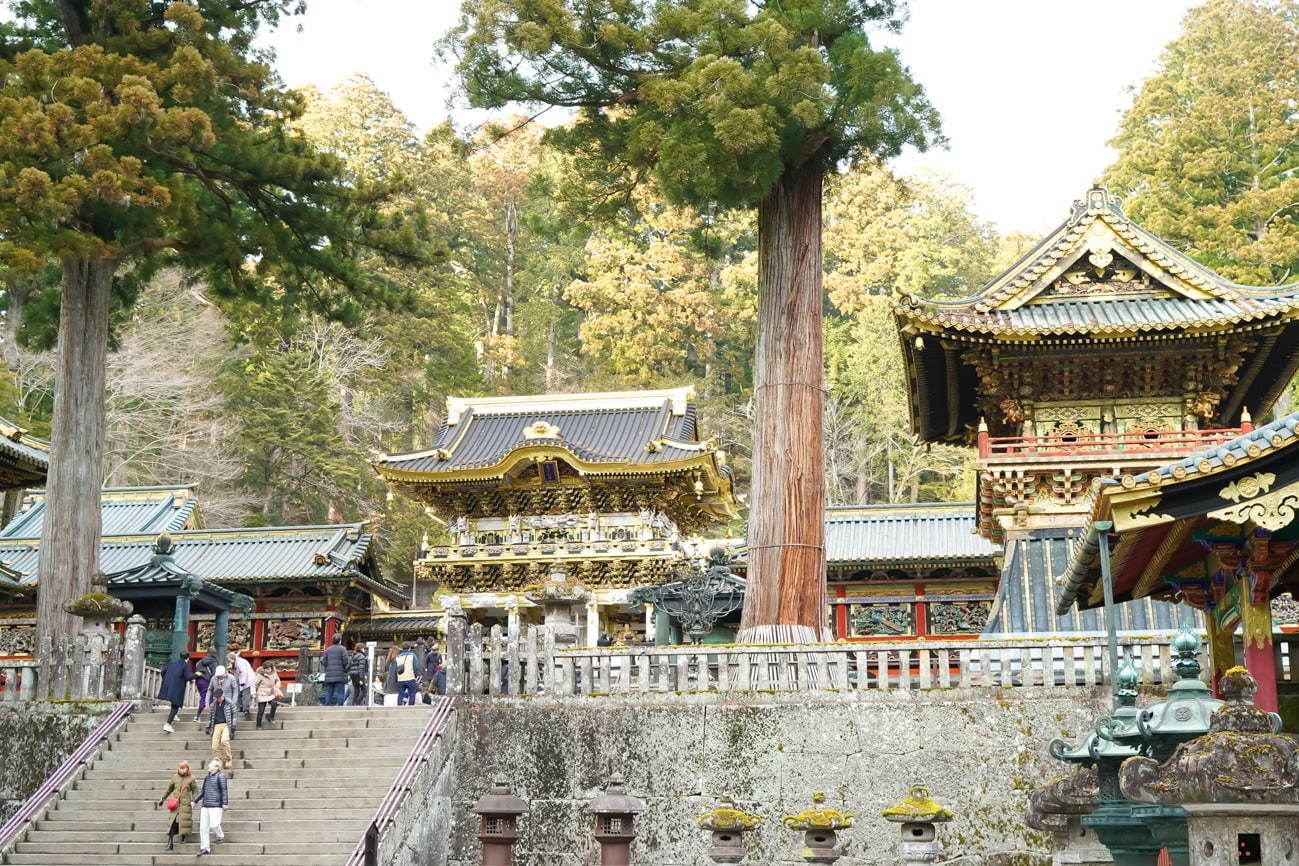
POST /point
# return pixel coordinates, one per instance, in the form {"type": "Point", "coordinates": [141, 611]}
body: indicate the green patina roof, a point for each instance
{"type": "Point", "coordinates": [332, 553]}
{"type": "Point", "coordinates": [123, 511]}
{"type": "Point", "coordinates": [884, 535]}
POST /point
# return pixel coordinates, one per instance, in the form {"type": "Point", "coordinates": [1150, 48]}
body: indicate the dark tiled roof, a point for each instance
{"type": "Point", "coordinates": [1028, 596]}
{"type": "Point", "coordinates": [413, 625]}
{"type": "Point", "coordinates": [122, 510]}
{"type": "Point", "coordinates": [634, 427]}
{"type": "Point", "coordinates": [236, 556]}
{"type": "Point", "coordinates": [162, 570]}
{"type": "Point", "coordinates": [884, 534]}
{"type": "Point", "coordinates": [24, 459]}
{"type": "Point", "coordinates": [1123, 314]}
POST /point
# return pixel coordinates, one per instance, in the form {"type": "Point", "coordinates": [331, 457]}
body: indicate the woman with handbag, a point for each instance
{"type": "Point", "coordinates": [268, 692]}
{"type": "Point", "coordinates": [182, 789]}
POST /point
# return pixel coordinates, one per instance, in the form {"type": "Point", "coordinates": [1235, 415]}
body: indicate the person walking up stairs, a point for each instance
{"type": "Point", "coordinates": [280, 811]}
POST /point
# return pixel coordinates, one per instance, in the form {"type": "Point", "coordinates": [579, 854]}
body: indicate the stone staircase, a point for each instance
{"type": "Point", "coordinates": [303, 791]}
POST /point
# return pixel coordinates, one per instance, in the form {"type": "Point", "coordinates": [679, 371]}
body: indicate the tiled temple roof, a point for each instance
{"type": "Point", "coordinates": [1099, 278]}
{"type": "Point", "coordinates": [940, 532]}
{"type": "Point", "coordinates": [1231, 459]}
{"type": "Point", "coordinates": [240, 556]}
{"type": "Point", "coordinates": [123, 511]}
{"type": "Point", "coordinates": [24, 459]}
{"type": "Point", "coordinates": [637, 428]}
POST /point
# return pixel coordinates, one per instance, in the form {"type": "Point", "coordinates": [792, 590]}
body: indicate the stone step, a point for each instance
{"type": "Point", "coordinates": [298, 733]}
{"type": "Point", "coordinates": [217, 858]}
{"type": "Point", "coordinates": [135, 811]}
{"type": "Point", "coordinates": [364, 749]}
{"type": "Point", "coordinates": [109, 802]}
{"type": "Point", "coordinates": [245, 789]}
{"type": "Point", "coordinates": [230, 846]}
{"type": "Point", "coordinates": [246, 823]}
{"type": "Point", "coordinates": [157, 834]}
{"type": "Point", "coordinates": [153, 775]}
{"type": "Point", "coordinates": [301, 727]}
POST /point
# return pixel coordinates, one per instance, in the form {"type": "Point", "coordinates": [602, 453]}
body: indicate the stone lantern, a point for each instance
{"type": "Point", "coordinates": [820, 826]}
{"type": "Point", "coordinates": [498, 812]}
{"type": "Point", "coordinates": [1238, 785]}
{"type": "Point", "coordinates": [728, 825]}
{"type": "Point", "coordinates": [556, 597]}
{"type": "Point", "coordinates": [918, 813]}
{"type": "Point", "coordinates": [615, 811]}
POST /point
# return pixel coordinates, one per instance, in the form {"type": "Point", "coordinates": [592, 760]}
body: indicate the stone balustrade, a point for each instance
{"type": "Point", "coordinates": [495, 664]}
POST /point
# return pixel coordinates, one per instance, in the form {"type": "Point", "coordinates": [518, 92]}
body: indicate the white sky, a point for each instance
{"type": "Point", "coordinates": [1029, 90]}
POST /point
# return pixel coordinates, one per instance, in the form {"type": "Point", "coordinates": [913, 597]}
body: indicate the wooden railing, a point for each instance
{"type": "Point", "coordinates": [76, 667]}
{"type": "Point", "coordinates": [493, 665]}
{"type": "Point", "coordinates": [1135, 445]}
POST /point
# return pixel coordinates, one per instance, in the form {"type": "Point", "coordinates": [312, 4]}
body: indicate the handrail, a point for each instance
{"type": "Point", "coordinates": [56, 780]}
{"type": "Point", "coordinates": [366, 852]}
{"type": "Point", "coordinates": [1168, 440]}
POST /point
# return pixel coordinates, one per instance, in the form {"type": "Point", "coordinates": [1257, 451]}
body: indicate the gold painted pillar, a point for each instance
{"type": "Point", "coordinates": [1256, 617]}
{"type": "Point", "coordinates": [1222, 647]}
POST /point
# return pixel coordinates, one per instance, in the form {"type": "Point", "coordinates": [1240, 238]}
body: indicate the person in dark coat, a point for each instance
{"type": "Point", "coordinates": [337, 663]}
{"type": "Point", "coordinates": [204, 671]}
{"type": "Point", "coordinates": [175, 677]}
{"type": "Point", "coordinates": [357, 669]}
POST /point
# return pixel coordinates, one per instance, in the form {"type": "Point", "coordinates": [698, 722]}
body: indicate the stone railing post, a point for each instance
{"type": "Point", "coordinates": [133, 660]}
{"type": "Point", "coordinates": [455, 625]}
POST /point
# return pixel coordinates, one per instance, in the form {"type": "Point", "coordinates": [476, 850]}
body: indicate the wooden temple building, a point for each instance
{"type": "Point", "coordinates": [1217, 532]}
{"type": "Point", "coordinates": [266, 591]}
{"type": "Point", "coordinates": [1101, 353]}
{"type": "Point", "coordinates": [598, 490]}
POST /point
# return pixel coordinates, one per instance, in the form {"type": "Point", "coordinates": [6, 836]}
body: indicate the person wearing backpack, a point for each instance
{"type": "Point", "coordinates": [204, 671]}
{"type": "Point", "coordinates": [408, 671]}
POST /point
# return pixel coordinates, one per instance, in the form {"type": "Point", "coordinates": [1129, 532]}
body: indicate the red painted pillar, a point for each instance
{"type": "Point", "coordinates": [1260, 657]}
{"type": "Point", "coordinates": [840, 614]}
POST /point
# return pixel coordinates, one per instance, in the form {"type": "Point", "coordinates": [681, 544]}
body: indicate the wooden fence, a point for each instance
{"type": "Point", "coordinates": [76, 667]}
{"type": "Point", "coordinates": [495, 664]}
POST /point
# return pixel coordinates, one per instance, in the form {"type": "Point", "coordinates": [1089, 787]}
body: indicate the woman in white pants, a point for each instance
{"type": "Point", "coordinates": [214, 797]}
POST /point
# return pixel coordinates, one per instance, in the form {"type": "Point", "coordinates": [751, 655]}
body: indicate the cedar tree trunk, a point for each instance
{"type": "Point", "coordinates": [786, 573]}
{"type": "Point", "coordinates": [70, 530]}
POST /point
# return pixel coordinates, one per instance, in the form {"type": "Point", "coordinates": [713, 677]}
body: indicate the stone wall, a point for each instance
{"type": "Point", "coordinates": [979, 751]}
{"type": "Point", "coordinates": [419, 835]}
{"type": "Point", "coordinates": [35, 738]}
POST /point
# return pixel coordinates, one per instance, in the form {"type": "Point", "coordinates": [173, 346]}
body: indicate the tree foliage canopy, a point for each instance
{"type": "Point", "coordinates": [130, 128]}
{"type": "Point", "coordinates": [1208, 152]}
{"type": "Point", "coordinates": [713, 98]}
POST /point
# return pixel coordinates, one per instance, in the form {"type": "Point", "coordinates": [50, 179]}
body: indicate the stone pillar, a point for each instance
{"type": "Point", "coordinates": [455, 624]}
{"type": "Point", "coordinates": [592, 622]}
{"type": "Point", "coordinates": [133, 660]}
{"type": "Point", "coordinates": [649, 620]}
{"type": "Point", "coordinates": [1076, 845]}
{"type": "Point", "coordinates": [221, 636]}
{"type": "Point", "coordinates": [180, 626]}
{"type": "Point", "coordinates": [369, 666]}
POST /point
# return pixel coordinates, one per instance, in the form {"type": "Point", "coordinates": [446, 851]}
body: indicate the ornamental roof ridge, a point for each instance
{"type": "Point", "coordinates": [680, 399]}
{"type": "Point", "coordinates": [1096, 225]}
